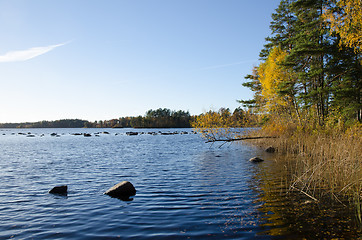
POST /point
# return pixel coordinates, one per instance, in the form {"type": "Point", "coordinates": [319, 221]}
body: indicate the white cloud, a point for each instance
{"type": "Point", "coordinates": [23, 55]}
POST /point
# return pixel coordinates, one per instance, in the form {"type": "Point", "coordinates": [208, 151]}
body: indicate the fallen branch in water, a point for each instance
{"type": "Point", "coordinates": [236, 139]}
{"type": "Point", "coordinates": [305, 193]}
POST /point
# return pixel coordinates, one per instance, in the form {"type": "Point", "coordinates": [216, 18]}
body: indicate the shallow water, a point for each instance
{"type": "Point", "coordinates": [185, 190]}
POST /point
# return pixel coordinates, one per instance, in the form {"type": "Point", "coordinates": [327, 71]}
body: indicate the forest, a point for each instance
{"type": "Point", "coordinates": [308, 96]}
{"type": "Point", "coordinates": [310, 71]}
{"type": "Point", "coordinates": [309, 75]}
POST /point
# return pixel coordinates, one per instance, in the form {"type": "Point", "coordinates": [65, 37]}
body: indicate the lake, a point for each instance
{"type": "Point", "coordinates": [186, 189]}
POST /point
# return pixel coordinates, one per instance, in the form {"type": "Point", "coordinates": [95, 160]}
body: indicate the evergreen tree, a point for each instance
{"type": "Point", "coordinates": [317, 76]}
{"type": "Point", "coordinates": [345, 73]}
{"type": "Point", "coordinates": [282, 27]}
{"type": "Point", "coordinates": [309, 55]}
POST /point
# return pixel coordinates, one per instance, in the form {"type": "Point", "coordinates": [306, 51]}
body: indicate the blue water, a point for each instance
{"type": "Point", "coordinates": [186, 189]}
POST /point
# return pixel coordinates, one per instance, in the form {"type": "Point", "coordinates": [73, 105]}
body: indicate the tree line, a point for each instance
{"type": "Point", "coordinates": [310, 70]}
{"type": "Point", "coordinates": [159, 118]}
{"type": "Point", "coordinates": [63, 123]}
{"type": "Point", "coordinates": [166, 118]}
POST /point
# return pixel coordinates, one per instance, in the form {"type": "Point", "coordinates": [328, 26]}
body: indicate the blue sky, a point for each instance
{"type": "Point", "coordinates": [99, 60]}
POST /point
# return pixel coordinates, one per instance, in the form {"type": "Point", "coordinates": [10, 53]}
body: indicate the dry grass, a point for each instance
{"type": "Point", "coordinates": [329, 163]}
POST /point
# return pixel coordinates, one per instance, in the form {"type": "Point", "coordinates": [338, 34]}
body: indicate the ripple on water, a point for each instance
{"type": "Point", "coordinates": [185, 189]}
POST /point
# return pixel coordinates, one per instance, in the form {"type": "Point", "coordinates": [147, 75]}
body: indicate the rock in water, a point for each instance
{"type": "Point", "coordinates": [122, 190]}
{"type": "Point", "coordinates": [270, 149]}
{"type": "Point", "coordinates": [62, 190]}
{"type": "Point", "coordinates": [255, 159]}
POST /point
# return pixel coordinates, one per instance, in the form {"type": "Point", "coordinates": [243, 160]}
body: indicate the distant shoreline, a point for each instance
{"type": "Point", "coordinates": [159, 118]}
{"type": "Point", "coordinates": [7, 128]}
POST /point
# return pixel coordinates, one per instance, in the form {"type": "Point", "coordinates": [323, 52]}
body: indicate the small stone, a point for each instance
{"type": "Point", "coordinates": [122, 190]}
{"type": "Point", "coordinates": [270, 149]}
{"type": "Point", "coordinates": [255, 159]}
{"type": "Point", "coordinates": [62, 190]}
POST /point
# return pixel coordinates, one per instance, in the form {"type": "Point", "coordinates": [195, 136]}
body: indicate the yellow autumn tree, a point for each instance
{"type": "Point", "coordinates": [214, 125]}
{"type": "Point", "coordinates": [279, 103]}
{"type": "Point", "coordinates": [223, 125]}
{"type": "Point", "coordinates": [271, 74]}
{"type": "Point", "coordinates": [347, 22]}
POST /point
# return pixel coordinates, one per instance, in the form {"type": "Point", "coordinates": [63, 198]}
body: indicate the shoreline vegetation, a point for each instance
{"type": "Point", "coordinates": [328, 162]}
{"type": "Point", "coordinates": [308, 96]}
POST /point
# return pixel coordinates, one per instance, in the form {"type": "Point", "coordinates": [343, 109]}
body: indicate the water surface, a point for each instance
{"type": "Point", "coordinates": [185, 190]}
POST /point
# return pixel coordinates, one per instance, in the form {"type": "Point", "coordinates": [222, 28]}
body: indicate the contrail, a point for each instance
{"type": "Point", "coordinates": [24, 55]}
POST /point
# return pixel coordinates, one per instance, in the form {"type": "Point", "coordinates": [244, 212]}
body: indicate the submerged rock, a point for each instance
{"type": "Point", "coordinates": [255, 160]}
{"type": "Point", "coordinates": [61, 190]}
{"type": "Point", "coordinates": [122, 190]}
{"type": "Point", "coordinates": [270, 149]}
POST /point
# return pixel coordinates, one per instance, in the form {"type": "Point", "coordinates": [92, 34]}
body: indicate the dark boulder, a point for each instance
{"type": "Point", "coordinates": [61, 190]}
{"type": "Point", "coordinates": [132, 133]}
{"type": "Point", "coordinates": [255, 160]}
{"type": "Point", "coordinates": [270, 149]}
{"type": "Point", "coordinates": [122, 190]}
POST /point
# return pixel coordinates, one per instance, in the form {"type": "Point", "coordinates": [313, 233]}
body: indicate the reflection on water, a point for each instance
{"type": "Point", "coordinates": [185, 190]}
{"type": "Point", "coordinates": [291, 214]}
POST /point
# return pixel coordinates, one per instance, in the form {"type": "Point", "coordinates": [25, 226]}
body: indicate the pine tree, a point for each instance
{"type": "Point", "coordinates": [309, 55]}
{"type": "Point", "coordinates": [345, 78]}
{"type": "Point", "coordinates": [282, 27]}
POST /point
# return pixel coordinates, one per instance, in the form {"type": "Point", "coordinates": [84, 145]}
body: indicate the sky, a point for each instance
{"type": "Point", "coordinates": [99, 60]}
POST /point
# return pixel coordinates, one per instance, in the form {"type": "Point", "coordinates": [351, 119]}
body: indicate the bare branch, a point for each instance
{"type": "Point", "coordinates": [237, 139]}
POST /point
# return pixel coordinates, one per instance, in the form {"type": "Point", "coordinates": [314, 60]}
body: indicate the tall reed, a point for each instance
{"type": "Point", "coordinates": [329, 161]}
